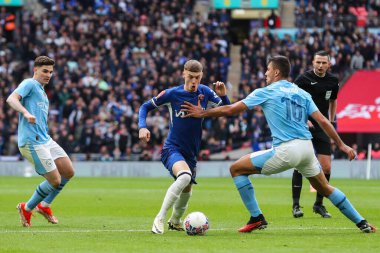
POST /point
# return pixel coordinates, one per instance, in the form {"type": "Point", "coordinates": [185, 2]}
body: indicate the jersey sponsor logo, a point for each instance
{"type": "Point", "coordinates": [161, 94]}
{"type": "Point", "coordinates": [180, 114]}
{"type": "Point", "coordinates": [328, 94]}
{"type": "Point", "coordinates": [312, 83]}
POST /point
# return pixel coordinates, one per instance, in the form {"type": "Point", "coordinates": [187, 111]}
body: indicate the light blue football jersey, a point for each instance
{"type": "Point", "coordinates": [35, 100]}
{"type": "Point", "coordinates": [286, 108]}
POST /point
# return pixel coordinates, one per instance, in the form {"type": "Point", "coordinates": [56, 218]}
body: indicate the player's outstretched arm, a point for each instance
{"type": "Point", "coordinates": [14, 101]}
{"type": "Point", "coordinates": [325, 124]}
{"type": "Point", "coordinates": [226, 110]}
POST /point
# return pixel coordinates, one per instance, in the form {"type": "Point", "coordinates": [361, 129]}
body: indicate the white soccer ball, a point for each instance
{"type": "Point", "coordinates": [196, 223]}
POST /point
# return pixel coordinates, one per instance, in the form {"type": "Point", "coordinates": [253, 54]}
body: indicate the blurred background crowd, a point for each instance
{"type": "Point", "coordinates": [111, 56]}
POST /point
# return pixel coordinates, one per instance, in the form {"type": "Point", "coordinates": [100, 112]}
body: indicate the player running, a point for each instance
{"type": "Point", "coordinates": [181, 148]}
{"type": "Point", "coordinates": [35, 144]}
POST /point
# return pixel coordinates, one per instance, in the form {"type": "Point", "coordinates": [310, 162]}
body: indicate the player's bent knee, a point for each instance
{"type": "Point", "coordinates": [234, 170]}
{"type": "Point", "coordinates": [184, 177]}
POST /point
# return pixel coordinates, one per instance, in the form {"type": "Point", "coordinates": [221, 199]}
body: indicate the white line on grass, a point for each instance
{"type": "Point", "coordinates": [145, 231]}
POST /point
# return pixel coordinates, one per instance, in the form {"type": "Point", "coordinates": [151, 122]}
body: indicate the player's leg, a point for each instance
{"type": "Point", "coordinates": [180, 170]}
{"type": "Point", "coordinates": [44, 165]}
{"type": "Point", "coordinates": [66, 171]}
{"type": "Point", "coordinates": [181, 204]}
{"type": "Point", "coordinates": [322, 147]}
{"type": "Point", "coordinates": [179, 208]}
{"type": "Point", "coordinates": [240, 170]}
{"type": "Point", "coordinates": [296, 193]}
{"type": "Point", "coordinates": [338, 198]}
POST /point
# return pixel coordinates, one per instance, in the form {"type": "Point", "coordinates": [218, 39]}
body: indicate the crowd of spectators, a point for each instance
{"type": "Point", "coordinates": [112, 55]}
{"type": "Point", "coordinates": [319, 13]}
{"type": "Point", "coordinates": [351, 48]}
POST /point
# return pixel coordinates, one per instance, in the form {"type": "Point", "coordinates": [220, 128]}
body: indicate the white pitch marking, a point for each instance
{"type": "Point", "coordinates": [28, 230]}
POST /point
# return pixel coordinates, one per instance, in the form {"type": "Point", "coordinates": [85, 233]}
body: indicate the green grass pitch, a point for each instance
{"type": "Point", "coordinates": [116, 215]}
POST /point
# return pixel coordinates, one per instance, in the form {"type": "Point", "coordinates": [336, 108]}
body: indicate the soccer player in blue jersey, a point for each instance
{"type": "Point", "coordinates": [286, 108]}
{"type": "Point", "coordinates": [35, 144]}
{"type": "Point", "coordinates": [181, 148]}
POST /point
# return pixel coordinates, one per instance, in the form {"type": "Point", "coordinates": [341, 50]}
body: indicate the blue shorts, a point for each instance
{"type": "Point", "coordinates": [170, 156]}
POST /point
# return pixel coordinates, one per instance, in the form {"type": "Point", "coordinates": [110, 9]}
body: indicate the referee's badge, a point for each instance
{"type": "Point", "coordinates": [328, 94]}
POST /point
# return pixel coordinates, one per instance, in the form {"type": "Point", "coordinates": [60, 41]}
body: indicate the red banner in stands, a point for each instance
{"type": "Point", "coordinates": [358, 108]}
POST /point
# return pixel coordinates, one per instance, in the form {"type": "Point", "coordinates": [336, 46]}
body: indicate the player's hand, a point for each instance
{"type": "Point", "coordinates": [309, 124]}
{"type": "Point", "coordinates": [350, 152]}
{"type": "Point", "coordinates": [191, 110]}
{"type": "Point", "coordinates": [30, 118]}
{"type": "Point", "coordinates": [144, 134]}
{"type": "Point", "coordinates": [220, 89]}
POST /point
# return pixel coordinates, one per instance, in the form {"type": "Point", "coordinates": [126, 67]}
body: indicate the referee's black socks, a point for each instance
{"type": "Point", "coordinates": [319, 198]}
{"type": "Point", "coordinates": [296, 187]}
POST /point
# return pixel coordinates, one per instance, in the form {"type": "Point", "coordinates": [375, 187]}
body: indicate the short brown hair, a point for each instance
{"type": "Point", "coordinates": [281, 63]}
{"type": "Point", "coordinates": [193, 66]}
{"type": "Point", "coordinates": [43, 61]}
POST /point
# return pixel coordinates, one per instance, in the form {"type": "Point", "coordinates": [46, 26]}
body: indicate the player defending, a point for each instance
{"type": "Point", "coordinates": [181, 148]}
{"type": "Point", "coordinates": [286, 108]}
{"type": "Point", "coordinates": [35, 144]}
{"type": "Point", "coordinates": [323, 88]}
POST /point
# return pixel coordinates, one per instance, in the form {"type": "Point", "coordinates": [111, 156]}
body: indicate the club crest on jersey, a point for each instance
{"type": "Point", "coordinates": [328, 94]}
{"type": "Point", "coordinates": [201, 97]}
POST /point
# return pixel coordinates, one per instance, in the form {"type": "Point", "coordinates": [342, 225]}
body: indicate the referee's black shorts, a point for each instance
{"type": "Point", "coordinates": [321, 143]}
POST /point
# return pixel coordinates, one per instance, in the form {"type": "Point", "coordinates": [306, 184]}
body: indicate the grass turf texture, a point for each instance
{"type": "Point", "coordinates": [116, 215]}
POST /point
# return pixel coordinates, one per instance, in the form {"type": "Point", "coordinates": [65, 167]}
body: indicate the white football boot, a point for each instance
{"type": "Point", "coordinates": [158, 225]}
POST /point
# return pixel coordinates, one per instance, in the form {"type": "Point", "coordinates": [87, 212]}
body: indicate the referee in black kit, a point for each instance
{"type": "Point", "coordinates": [323, 87]}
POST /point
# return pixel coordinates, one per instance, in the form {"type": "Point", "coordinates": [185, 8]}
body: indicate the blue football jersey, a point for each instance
{"type": "Point", "coordinates": [286, 108]}
{"type": "Point", "coordinates": [35, 100]}
{"type": "Point", "coordinates": [185, 133]}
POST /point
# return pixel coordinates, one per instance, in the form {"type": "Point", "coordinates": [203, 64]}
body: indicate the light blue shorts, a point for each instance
{"type": "Point", "coordinates": [298, 154]}
{"type": "Point", "coordinates": [42, 156]}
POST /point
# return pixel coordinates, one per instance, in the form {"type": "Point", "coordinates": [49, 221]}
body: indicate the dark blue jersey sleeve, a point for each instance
{"type": "Point", "coordinates": [143, 112]}
{"type": "Point", "coordinates": [214, 99]}
{"type": "Point", "coordinates": [163, 98]}
{"type": "Point", "coordinates": [225, 100]}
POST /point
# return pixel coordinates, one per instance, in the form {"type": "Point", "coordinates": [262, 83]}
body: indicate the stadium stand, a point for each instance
{"type": "Point", "coordinates": [112, 55]}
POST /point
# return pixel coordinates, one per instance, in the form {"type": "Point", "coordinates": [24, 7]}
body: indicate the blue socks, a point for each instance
{"type": "Point", "coordinates": [54, 193]}
{"type": "Point", "coordinates": [247, 194]}
{"type": "Point", "coordinates": [340, 201]}
{"type": "Point", "coordinates": [41, 192]}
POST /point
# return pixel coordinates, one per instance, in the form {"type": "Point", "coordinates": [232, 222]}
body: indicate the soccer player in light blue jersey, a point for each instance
{"type": "Point", "coordinates": [181, 148]}
{"type": "Point", "coordinates": [286, 108]}
{"type": "Point", "coordinates": [35, 144]}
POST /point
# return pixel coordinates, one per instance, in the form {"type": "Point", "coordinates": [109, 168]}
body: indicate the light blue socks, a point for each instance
{"type": "Point", "coordinates": [41, 192]}
{"type": "Point", "coordinates": [340, 201]}
{"type": "Point", "coordinates": [54, 193]}
{"type": "Point", "coordinates": [247, 194]}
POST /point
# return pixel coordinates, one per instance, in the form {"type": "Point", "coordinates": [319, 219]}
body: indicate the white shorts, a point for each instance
{"type": "Point", "coordinates": [42, 156]}
{"type": "Point", "coordinates": [297, 154]}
